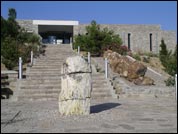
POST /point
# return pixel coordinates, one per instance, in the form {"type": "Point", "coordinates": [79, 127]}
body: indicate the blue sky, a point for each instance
{"type": "Point", "coordinates": [104, 12]}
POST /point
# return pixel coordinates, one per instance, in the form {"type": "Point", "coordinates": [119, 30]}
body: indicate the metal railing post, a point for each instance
{"type": "Point", "coordinates": [176, 86]}
{"type": "Point", "coordinates": [106, 68]}
{"type": "Point", "coordinates": [89, 60]}
{"type": "Point", "coordinates": [78, 49]}
{"type": "Point", "coordinates": [20, 68]}
{"type": "Point", "coordinates": [31, 57]}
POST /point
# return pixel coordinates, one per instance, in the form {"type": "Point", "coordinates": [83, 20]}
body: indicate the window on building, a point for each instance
{"type": "Point", "coordinates": [150, 41]}
{"type": "Point", "coordinates": [129, 40]}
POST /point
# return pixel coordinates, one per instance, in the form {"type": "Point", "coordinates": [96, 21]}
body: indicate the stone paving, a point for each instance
{"type": "Point", "coordinates": [124, 115]}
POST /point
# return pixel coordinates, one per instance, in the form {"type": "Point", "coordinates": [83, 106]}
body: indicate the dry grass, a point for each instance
{"type": "Point", "coordinates": [156, 65]}
{"type": "Point", "coordinates": [3, 67]}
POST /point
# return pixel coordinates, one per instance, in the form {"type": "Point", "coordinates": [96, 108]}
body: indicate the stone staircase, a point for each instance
{"type": "Point", "coordinates": [129, 89]}
{"type": "Point", "coordinates": [43, 81]}
{"type": "Point", "coordinates": [101, 88]}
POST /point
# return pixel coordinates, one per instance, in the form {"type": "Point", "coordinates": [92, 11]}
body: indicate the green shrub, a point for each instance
{"type": "Point", "coordinates": [136, 56]}
{"type": "Point", "coordinates": [10, 53]}
{"type": "Point", "coordinates": [168, 60]}
{"type": "Point", "coordinates": [16, 42]}
{"type": "Point", "coordinates": [96, 41]}
{"type": "Point", "coordinates": [146, 59]}
{"type": "Point", "coordinates": [170, 81]}
{"type": "Point", "coordinates": [163, 53]}
{"type": "Point", "coordinates": [150, 54]}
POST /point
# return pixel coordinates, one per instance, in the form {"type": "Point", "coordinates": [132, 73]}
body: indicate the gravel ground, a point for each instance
{"type": "Point", "coordinates": [138, 115]}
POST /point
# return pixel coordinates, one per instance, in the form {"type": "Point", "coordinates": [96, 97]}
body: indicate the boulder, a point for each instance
{"type": "Point", "coordinates": [136, 70]}
{"type": "Point", "coordinates": [144, 81]}
{"type": "Point", "coordinates": [147, 81]}
{"type": "Point", "coordinates": [75, 94]}
{"type": "Point", "coordinates": [107, 54]}
{"type": "Point", "coordinates": [119, 64]}
{"type": "Point", "coordinates": [131, 70]}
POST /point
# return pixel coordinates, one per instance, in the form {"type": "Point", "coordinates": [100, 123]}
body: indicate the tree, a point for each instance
{"type": "Point", "coordinates": [12, 14]}
{"type": "Point", "coordinates": [16, 42]}
{"type": "Point", "coordinates": [96, 40]}
{"type": "Point", "coordinates": [169, 61]}
{"type": "Point", "coordinates": [163, 53]}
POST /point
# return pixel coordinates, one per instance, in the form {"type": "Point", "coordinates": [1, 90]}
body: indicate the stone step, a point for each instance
{"type": "Point", "coordinates": [38, 98]}
{"type": "Point", "coordinates": [100, 88]}
{"type": "Point", "coordinates": [41, 72]}
{"type": "Point", "coordinates": [100, 92]}
{"type": "Point", "coordinates": [102, 84]}
{"type": "Point", "coordinates": [49, 61]}
{"type": "Point", "coordinates": [99, 81]}
{"type": "Point", "coordinates": [41, 94]}
{"type": "Point", "coordinates": [40, 91]}
{"type": "Point", "coordinates": [95, 96]}
{"type": "Point", "coordinates": [45, 67]}
{"type": "Point", "coordinates": [48, 64]}
{"type": "Point", "coordinates": [42, 86]}
{"type": "Point", "coordinates": [43, 77]}
{"type": "Point", "coordinates": [98, 76]}
{"type": "Point", "coordinates": [54, 81]}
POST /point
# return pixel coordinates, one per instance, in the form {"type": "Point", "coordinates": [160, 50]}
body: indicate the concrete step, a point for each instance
{"type": "Point", "coordinates": [40, 91]}
{"type": "Point", "coordinates": [44, 69]}
{"type": "Point", "coordinates": [45, 81]}
{"type": "Point", "coordinates": [54, 72]}
{"type": "Point", "coordinates": [98, 76]}
{"type": "Point", "coordinates": [41, 94]}
{"type": "Point", "coordinates": [101, 88]}
{"type": "Point", "coordinates": [50, 59]}
{"type": "Point", "coordinates": [101, 96]}
{"type": "Point", "coordinates": [39, 77]}
{"type": "Point", "coordinates": [43, 74]}
{"type": "Point", "coordinates": [48, 64]}
{"type": "Point", "coordinates": [36, 67]}
{"type": "Point", "coordinates": [38, 98]}
{"type": "Point", "coordinates": [41, 86]}
{"type": "Point", "coordinates": [102, 84]}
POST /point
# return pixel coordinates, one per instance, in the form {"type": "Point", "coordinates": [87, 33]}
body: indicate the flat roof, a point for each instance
{"type": "Point", "coordinates": [55, 22]}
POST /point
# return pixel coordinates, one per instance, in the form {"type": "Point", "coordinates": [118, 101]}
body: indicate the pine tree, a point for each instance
{"type": "Point", "coordinates": [163, 53]}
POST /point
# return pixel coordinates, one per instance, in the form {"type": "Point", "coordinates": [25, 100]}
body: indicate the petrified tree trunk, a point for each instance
{"type": "Point", "coordinates": [132, 70]}
{"type": "Point", "coordinates": [74, 98]}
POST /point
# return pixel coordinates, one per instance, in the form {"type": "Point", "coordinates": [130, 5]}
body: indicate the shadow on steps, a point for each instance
{"type": "Point", "coordinates": [102, 107]}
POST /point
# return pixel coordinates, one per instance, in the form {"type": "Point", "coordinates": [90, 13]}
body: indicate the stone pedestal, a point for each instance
{"type": "Point", "coordinates": [74, 98]}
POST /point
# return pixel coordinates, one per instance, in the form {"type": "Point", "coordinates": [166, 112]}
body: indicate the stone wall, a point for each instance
{"type": "Point", "coordinates": [169, 38]}
{"type": "Point", "coordinates": [139, 34]}
{"type": "Point", "coordinates": [28, 25]}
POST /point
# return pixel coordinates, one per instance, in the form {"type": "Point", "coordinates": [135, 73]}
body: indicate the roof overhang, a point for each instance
{"type": "Point", "coordinates": [55, 22]}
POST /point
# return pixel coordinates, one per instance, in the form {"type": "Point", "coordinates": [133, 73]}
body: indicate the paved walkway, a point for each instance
{"type": "Point", "coordinates": [124, 115]}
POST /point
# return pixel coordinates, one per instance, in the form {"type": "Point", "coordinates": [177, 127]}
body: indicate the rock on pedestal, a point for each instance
{"type": "Point", "coordinates": [74, 98]}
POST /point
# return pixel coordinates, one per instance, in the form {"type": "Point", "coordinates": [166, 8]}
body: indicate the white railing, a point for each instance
{"type": "Point", "coordinates": [89, 59]}
{"type": "Point", "coordinates": [20, 68]}
{"type": "Point", "coordinates": [106, 68]}
{"type": "Point", "coordinates": [176, 86]}
{"type": "Point", "coordinates": [31, 58]}
{"type": "Point", "coordinates": [78, 49]}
